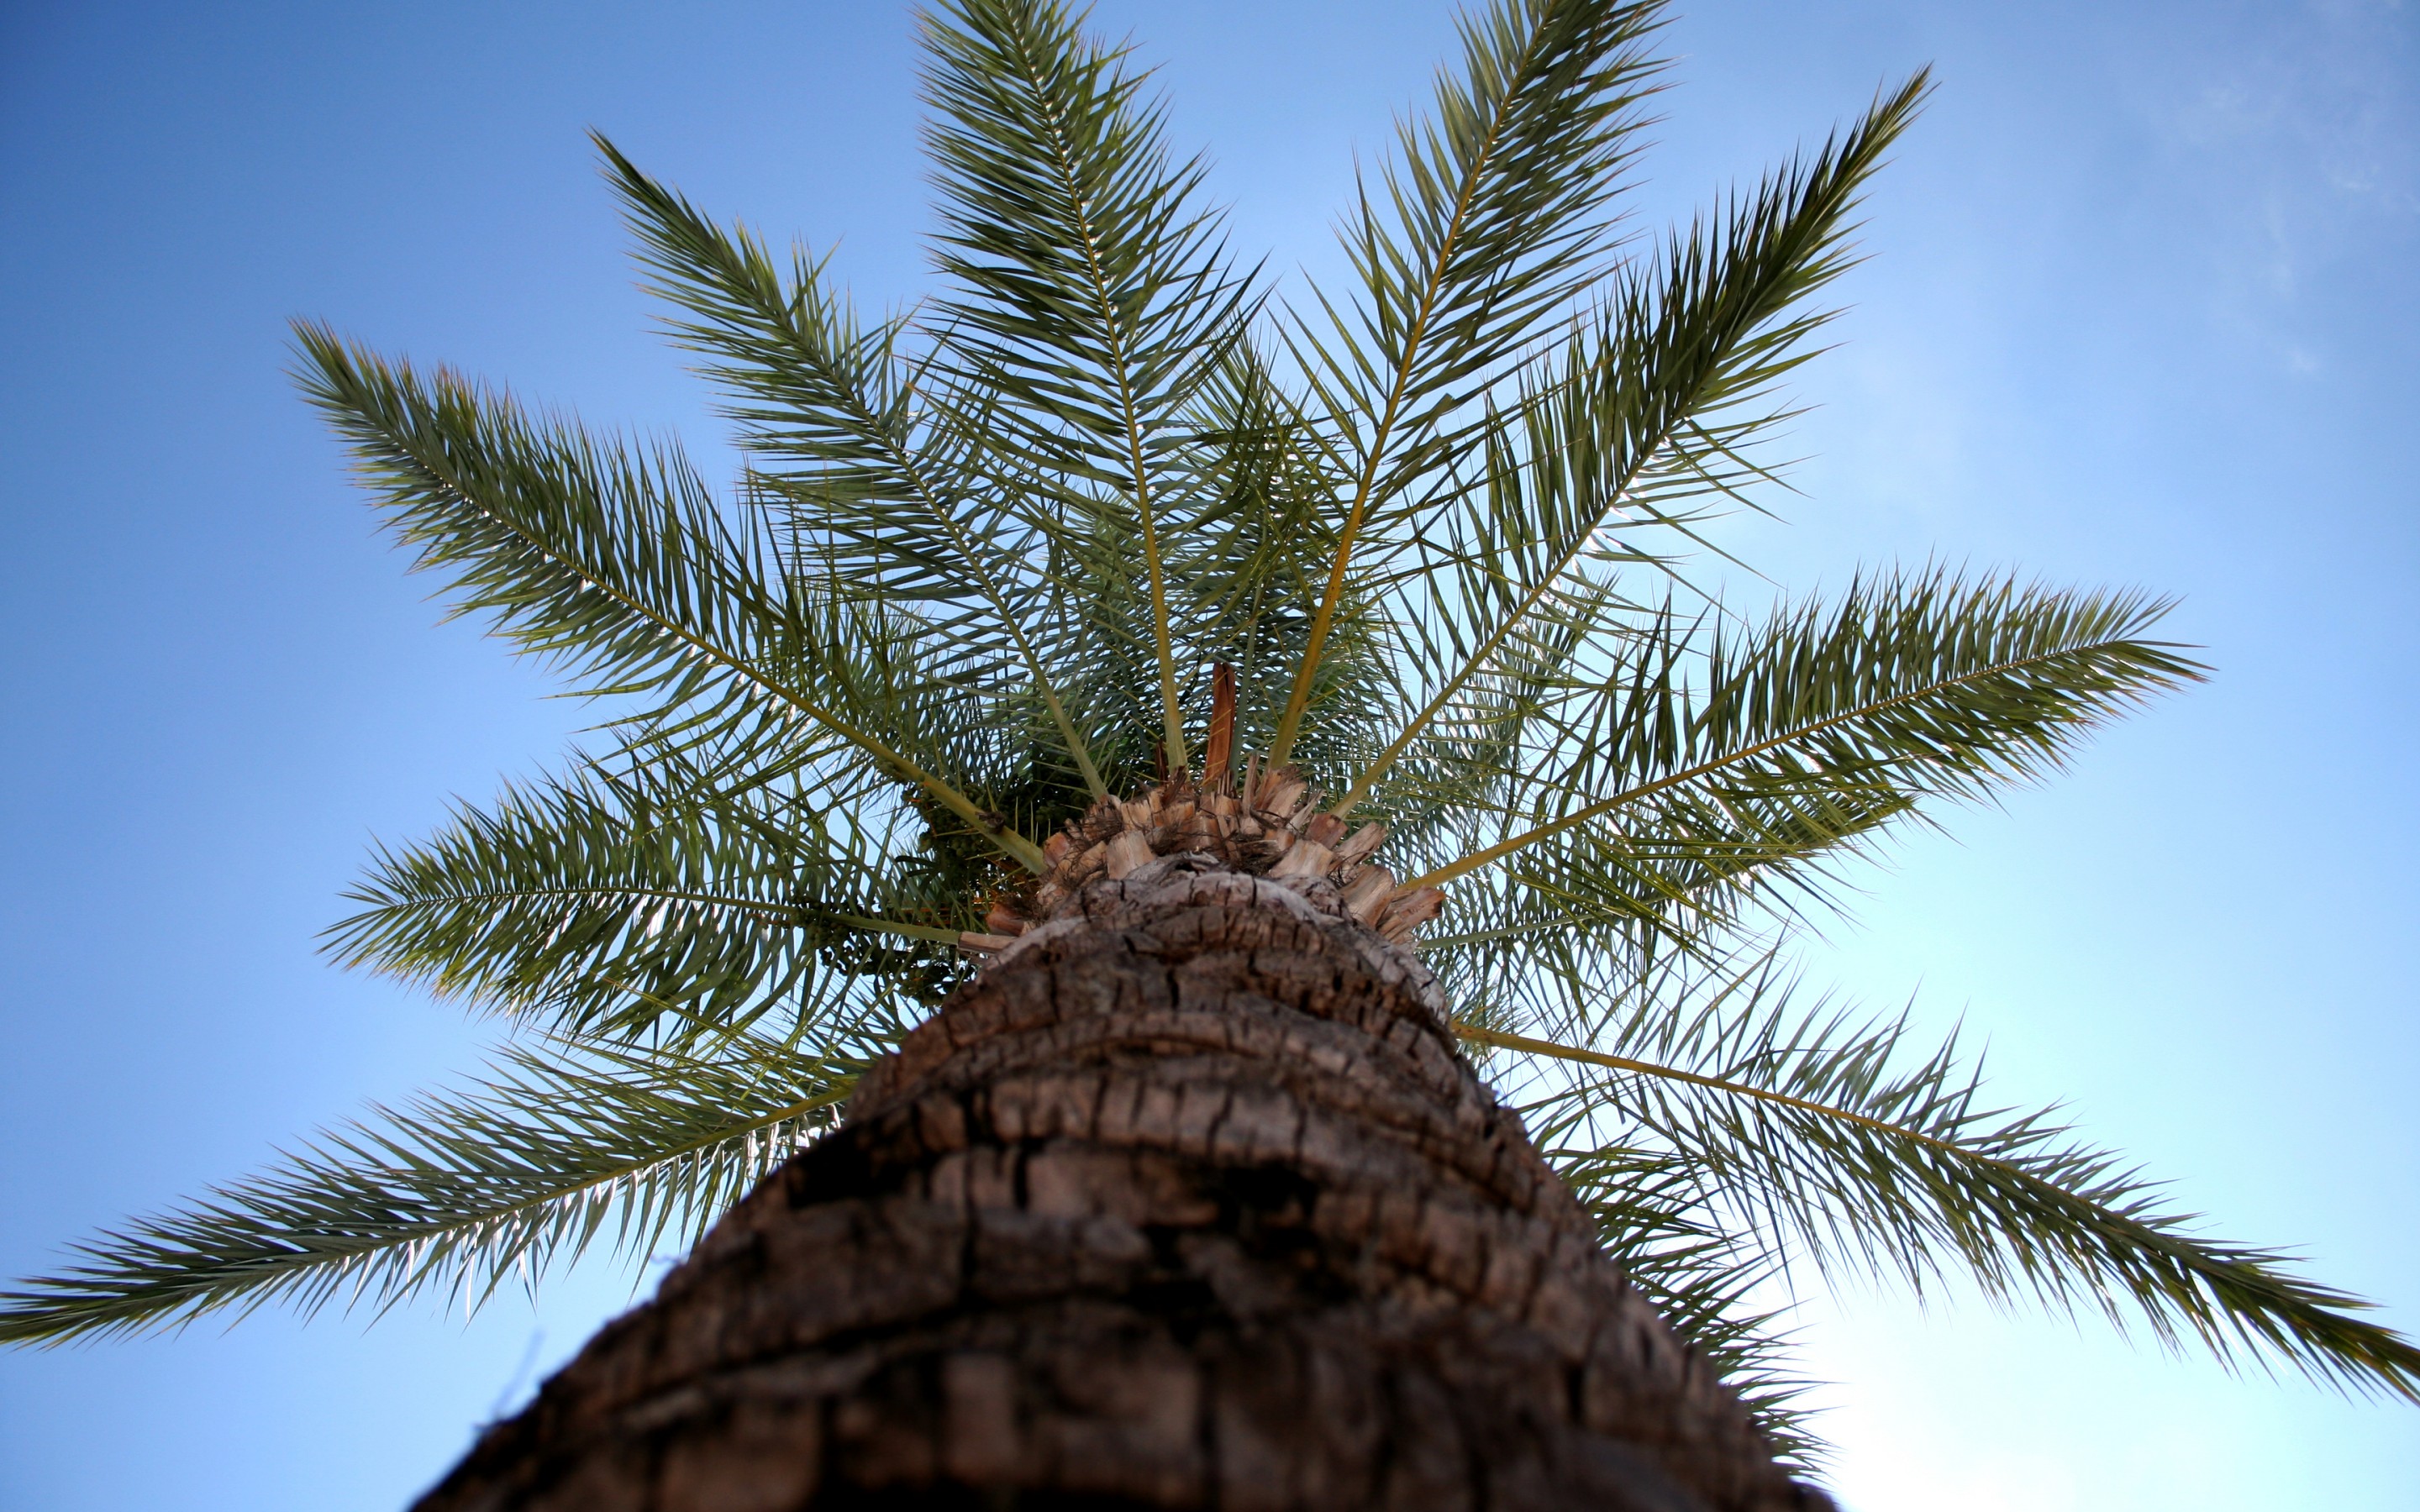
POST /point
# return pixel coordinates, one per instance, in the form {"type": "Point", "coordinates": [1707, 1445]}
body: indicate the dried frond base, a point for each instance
{"type": "Point", "coordinates": [1272, 828]}
{"type": "Point", "coordinates": [1189, 1200]}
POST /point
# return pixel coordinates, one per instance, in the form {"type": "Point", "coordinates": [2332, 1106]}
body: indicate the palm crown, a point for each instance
{"type": "Point", "coordinates": [1426, 533]}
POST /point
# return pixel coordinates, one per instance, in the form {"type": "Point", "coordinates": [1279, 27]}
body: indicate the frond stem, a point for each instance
{"type": "Point", "coordinates": [1501, 1039]}
{"type": "Point", "coordinates": [768, 913]}
{"type": "Point", "coordinates": [885, 926]}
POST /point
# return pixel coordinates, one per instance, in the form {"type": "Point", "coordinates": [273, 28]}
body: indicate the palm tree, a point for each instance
{"type": "Point", "coordinates": [1127, 744]}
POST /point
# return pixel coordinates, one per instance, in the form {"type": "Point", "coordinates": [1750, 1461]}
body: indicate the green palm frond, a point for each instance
{"type": "Point", "coordinates": [459, 1194]}
{"type": "Point", "coordinates": [625, 904]}
{"type": "Point", "coordinates": [1645, 419]}
{"type": "Point", "coordinates": [1094, 298]}
{"type": "Point", "coordinates": [1811, 1133]}
{"type": "Point", "coordinates": [981, 562]}
{"type": "Point", "coordinates": [1701, 1280]}
{"type": "Point", "coordinates": [1805, 734]}
{"type": "Point", "coordinates": [616, 564]}
{"type": "Point", "coordinates": [1492, 217]}
{"type": "Point", "coordinates": [860, 469]}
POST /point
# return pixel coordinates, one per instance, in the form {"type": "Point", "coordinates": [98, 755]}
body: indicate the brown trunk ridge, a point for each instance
{"type": "Point", "coordinates": [1190, 1201]}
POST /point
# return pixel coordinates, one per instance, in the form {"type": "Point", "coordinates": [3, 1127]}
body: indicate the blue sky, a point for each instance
{"type": "Point", "coordinates": [2140, 311]}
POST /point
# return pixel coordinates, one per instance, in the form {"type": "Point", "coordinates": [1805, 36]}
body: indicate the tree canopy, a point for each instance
{"type": "Point", "coordinates": [1449, 523]}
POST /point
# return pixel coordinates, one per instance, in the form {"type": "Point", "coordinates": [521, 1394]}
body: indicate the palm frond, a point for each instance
{"type": "Point", "coordinates": [621, 904]}
{"type": "Point", "coordinates": [1828, 1139]}
{"type": "Point", "coordinates": [1096, 298]}
{"type": "Point", "coordinates": [829, 408]}
{"type": "Point", "coordinates": [1825, 722]}
{"type": "Point", "coordinates": [1701, 1279]}
{"type": "Point", "coordinates": [1644, 418]}
{"type": "Point", "coordinates": [459, 1193]}
{"type": "Point", "coordinates": [617, 565]}
{"type": "Point", "coordinates": [1490, 217]}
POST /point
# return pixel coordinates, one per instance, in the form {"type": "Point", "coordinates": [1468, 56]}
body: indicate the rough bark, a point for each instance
{"type": "Point", "coordinates": [1190, 1201]}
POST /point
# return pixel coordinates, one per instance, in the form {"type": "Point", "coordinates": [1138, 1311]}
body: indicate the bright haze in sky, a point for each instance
{"type": "Point", "coordinates": [2140, 311]}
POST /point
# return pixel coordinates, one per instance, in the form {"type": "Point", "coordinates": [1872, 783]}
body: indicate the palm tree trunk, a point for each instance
{"type": "Point", "coordinates": [1189, 1200]}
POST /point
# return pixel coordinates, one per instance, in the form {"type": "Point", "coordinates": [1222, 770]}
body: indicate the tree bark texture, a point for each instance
{"type": "Point", "coordinates": [1189, 1200]}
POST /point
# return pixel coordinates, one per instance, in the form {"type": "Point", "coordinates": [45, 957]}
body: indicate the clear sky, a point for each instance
{"type": "Point", "coordinates": [2141, 311]}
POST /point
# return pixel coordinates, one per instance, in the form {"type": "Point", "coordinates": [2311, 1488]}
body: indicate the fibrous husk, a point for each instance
{"type": "Point", "coordinates": [1260, 823]}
